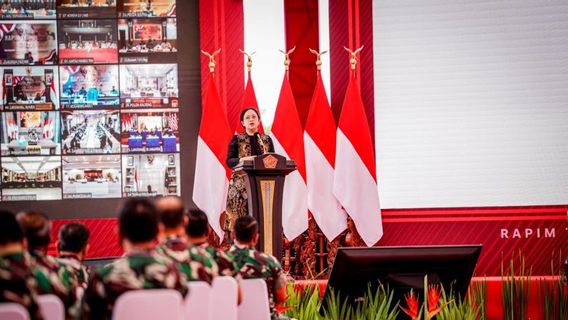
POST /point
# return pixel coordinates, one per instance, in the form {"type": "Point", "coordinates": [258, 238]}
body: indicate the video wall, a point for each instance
{"type": "Point", "coordinates": [90, 99]}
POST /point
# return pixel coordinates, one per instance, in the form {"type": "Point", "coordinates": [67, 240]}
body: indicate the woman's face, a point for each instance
{"type": "Point", "coordinates": [250, 121]}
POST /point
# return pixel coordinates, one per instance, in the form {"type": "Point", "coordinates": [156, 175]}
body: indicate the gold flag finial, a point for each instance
{"type": "Point", "coordinates": [249, 59]}
{"type": "Point", "coordinates": [318, 57]}
{"type": "Point", "coordinates": [353, 60]}
{"type": "Point", "coordinates": [287, 58]}
{"type": "Point", "coordinates": [212, 62]}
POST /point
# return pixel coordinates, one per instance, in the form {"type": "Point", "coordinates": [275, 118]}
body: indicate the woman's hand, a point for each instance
{"type": "Point", "coordinates": [246, 158]}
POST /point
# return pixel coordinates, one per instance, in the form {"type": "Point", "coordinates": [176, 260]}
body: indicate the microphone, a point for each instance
{"type": "Point", "coordinates": [260, 142]}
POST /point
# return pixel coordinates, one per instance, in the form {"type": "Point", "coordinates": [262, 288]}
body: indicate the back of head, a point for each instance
{"type": "Point", "coordinates": [171, 210]}
{"type": "Point", "coordinates": [198, 225]}
{"type": "Point", "coordinates": [36, 228]}
{"type": "Point", "coordinates": [10, 231]}
{"type": "Point", "coordinates": [246, 229]}
{"type": "Point", "coordinates": [138, 221]}
{"type": "Point", "coordinates": [73, 237]}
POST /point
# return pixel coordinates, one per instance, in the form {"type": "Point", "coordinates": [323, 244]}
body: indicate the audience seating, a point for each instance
{"type": "Point", "coordinates": [196, 305]}
{"type": "Point", "coordinates": [223, 304]}
{"type": "Point", "coordinates": [13, 311]}
{"type": "Point", "coordinates": [51, 307]}
{"type": "Point", "coordinates": [255, 303]}
{"type": "Point", "coordinates": [149, 305]}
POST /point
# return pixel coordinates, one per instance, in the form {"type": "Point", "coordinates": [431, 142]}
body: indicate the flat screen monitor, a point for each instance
{"type": "Point", "coordinates": [402, 269]}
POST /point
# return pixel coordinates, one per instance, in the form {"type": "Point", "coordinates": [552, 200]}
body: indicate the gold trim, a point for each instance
{"type": "Point", "coordinates": [267, 193]}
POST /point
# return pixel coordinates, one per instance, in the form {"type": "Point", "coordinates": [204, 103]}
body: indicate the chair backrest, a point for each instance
{"type": "Point", "coordinates": [149, 305]}
{"type": "Point", "coordinates": [223, 303]}
{"type": "Point", "coordinates": [197, 301]}
{"type": "Point", "coordinates": [13, 311]}
{"type": "Point", "coordinates": [255, 303]}
{"type": "Point", "coordinates": [51, 307]}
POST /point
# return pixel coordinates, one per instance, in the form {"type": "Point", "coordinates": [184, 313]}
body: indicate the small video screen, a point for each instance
{"type": "Point", "coordinates": [148, 85]}
{"type": "Point", "coordinates": [31, 178]}
{"type": "Point", "coordinates": [94, 176]}
{"type": "Point", "coordinates": [26, 9]}
{"type": "Point", "coordinates": [28, 43]}
{"type": "Point", "coordinates": [147, 8]}
{"type": "Point", "coordinates": [87, 41]}
{"type": "Point", "coordinates": [147, 40]}
{"type": "Point", "coordinates": [81, 9]}
{"type": "Point", "coordinates": [30, 133]}
{"type": "Point", "coordinates": [30, 88]}
{"type": "Point", "coordinates": [150, 175]}
{"type": "Point", "coordinates": [90, 132]}
{"type": "Point", "coordinates": [149, 130]}
{"type": "Point", "coordinates": [89, 86]}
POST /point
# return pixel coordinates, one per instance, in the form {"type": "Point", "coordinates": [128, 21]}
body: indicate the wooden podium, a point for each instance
{"type": "Point", "coordinates": [264, 178]}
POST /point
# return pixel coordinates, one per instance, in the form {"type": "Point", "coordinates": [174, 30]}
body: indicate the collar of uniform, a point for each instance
{"type": "Point", "coordinates": [17, 255]}
{"type": "Point", "coordinates": [240, 246]}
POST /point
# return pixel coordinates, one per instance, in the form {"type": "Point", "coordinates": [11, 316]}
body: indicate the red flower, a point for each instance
{"type": "Point", "coordinates": [433, 299]}
{"type": "Point", "coordinates": [412, 303]}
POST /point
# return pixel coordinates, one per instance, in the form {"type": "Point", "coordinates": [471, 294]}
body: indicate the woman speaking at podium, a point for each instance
{"type": "Point", "coordinates": [244, 146]}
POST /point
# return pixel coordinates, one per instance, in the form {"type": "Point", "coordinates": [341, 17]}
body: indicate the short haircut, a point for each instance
{"type": "Point", "coordinates": [10, 231]}
{"type": "Point", "coordinates": [73, 237]}
{"type": "Point", "coordinates": [171, 211]}
{"type": "Point", "coordinates": [36, 228]}
{"type": "Point", "coordinates": [246, 228]}
{"type": "Point", "coordinates": [198, 224]}
{"type": "Point", "coordinates": [138, 220]}
{"type": "Point", "coordinates": [242, 116]}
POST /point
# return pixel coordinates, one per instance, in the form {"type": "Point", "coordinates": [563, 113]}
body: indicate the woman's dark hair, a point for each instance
{"type": "Point", "coordinates": [242, 117]}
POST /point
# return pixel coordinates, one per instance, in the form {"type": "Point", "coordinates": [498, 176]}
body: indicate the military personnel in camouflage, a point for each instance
{"type": "Point", "coordinates": [51, 276]}
{"type": "Point", "coordinates": [72, 246]}
{"type": "Point", "coordinates": [197, 230]}
{"type": "Point", "coordinates": [196, 263]}
{"type": "Point", "coordinates": [255, 264]}
{"type": "Point", "coordinates": [17, 282]}
{"type": "Point", "coordinates": [141, 267]}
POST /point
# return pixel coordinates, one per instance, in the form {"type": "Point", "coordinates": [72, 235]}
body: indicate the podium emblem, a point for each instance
{"type": "Point", "coordinates": [270, 162]}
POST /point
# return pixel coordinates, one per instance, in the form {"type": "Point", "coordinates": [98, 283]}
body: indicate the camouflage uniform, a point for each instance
{"type": "Point", "coordinates": [252, 264]}
{"type": "Point", "coordinates": [17, 282]}
{"type": "Point", "coordinates": [223, 260]}
{"type": "Point", "coordinates": [141, 269]}
{"type": "Point", "coordinates": [80, 276]}
{"type": "Point", "coordinates": [195, 262]}
{"type": "Point", "coordinates": [79, 271]}
{"type": "Point", "coordinates": [55, 278]}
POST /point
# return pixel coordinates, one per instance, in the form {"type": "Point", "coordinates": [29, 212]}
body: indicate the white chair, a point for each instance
{"type": "Point", "coordinates": [223, 303]}
{"type": "Point", "coordinates": [197, 301]}
{"type": "Point", "coordinates": [51, 307]}
{"type": "Point", "coordinates": [255, 303]}
{"type": "Point", "coordinates": [13, 311]}
{"type": "Point", "coordinates": [149, 304]}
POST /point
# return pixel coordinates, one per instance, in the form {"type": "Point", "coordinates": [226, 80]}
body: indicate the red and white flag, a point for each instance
{"type": "Point", "coordinates": [319, 143]}
{"type": "Point", "coordinates": [211, 173]}
{"type": "Point", "coordinates": [53, 94]}
{"type": "Point", "coordinates": [249, 100]}
{"type": "Point", "coordinates": [287, 135]}
{"type": "Point", "coordinates": [355, 182]}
